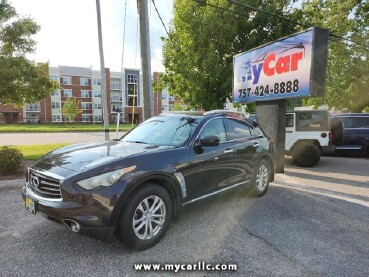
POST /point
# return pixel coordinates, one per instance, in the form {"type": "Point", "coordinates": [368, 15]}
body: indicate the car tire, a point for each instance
{"type": "Point", "coordinates": [337, 130]}
{"type": "Point", "coordinates": [306, 154]}
{"type": "Point", "coordinates": [261, 179]}
{"type": "Point", "coordinates": [146, 217]}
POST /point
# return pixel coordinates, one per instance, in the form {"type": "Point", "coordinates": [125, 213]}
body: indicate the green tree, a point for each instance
{"type": "Point", "coordinates": [21, 80]}
{"type": "Point", "coordinates": [348, 64]}
{"type": "Point", "coordinates": [71, 109]}
{"type": "Point", "coordinates": [198, 53]}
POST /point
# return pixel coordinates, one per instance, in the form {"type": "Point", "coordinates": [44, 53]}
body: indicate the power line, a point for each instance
{"type": "Point", "coordinates": [204, 3]}
{"type": "Point", "coordinates": [162, 22]}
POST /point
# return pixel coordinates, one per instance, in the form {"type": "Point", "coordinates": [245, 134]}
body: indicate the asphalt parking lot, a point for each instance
{"type": "Point", "coordinates": [312, 222]}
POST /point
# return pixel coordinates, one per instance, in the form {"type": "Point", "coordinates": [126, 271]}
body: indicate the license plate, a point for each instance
{"type": "Point", "coordinates": [30, 205]}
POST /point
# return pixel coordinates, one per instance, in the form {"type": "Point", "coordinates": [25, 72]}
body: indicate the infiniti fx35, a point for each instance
{"type": "Point", "coordinates": [131, 188]}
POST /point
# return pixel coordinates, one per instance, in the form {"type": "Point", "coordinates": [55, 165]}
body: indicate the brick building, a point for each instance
{"type": "Point", "coordinates": [124, 95]}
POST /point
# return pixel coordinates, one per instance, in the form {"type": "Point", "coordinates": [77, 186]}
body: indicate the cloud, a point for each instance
{"type": "Point", "coordinates": [68, 34]}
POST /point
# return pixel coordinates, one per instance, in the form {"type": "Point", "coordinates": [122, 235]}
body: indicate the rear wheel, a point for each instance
{"type": "Point", "coordinates": [261, 178]}
{"type": "Point", "coordinates": [146, 218]}
{"type": "Point", "coordinates": [306, 154]}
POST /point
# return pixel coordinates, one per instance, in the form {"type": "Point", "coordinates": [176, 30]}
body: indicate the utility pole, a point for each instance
{"type": "Point", "coordinates": [104, 97]}
{"type": "Point", "coordinates": [145, 57]}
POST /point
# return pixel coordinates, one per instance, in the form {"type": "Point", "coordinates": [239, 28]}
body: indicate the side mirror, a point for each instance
{"type": "Point", "coordinates": [209, 140]}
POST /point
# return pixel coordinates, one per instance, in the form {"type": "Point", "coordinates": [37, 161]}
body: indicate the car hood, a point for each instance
{"type": "Point", "coordinates": [79, 157]}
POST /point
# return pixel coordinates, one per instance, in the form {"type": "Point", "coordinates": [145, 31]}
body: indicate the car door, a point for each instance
{"type": "Point", "coordinates": [210, 167]}
{"type": "Point", "coordinates": [247, 146]}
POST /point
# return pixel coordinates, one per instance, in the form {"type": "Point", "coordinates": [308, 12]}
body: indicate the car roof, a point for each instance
{"type": "Point", "coordinates": [350, 115]}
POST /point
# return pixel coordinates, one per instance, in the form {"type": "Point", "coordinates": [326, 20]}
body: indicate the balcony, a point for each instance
{"type": "Point", "coordinates": [31, 108]}
{"type": "Point", "coordinates": [116, 99]}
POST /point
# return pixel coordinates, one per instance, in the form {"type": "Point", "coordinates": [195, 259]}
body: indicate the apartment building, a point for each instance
{"type": "Point", "coordinates": [124, 97]}
{"type": "Point", "coordinates": [84, 84]}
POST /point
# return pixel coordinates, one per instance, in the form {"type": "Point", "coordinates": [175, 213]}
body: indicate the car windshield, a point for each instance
{"type": "Point", "coordinates": [163, 130]}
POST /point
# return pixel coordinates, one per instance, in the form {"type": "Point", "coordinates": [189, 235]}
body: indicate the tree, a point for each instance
{"type": "Point", "coordinates": [348, 64]}
{"type": "Point", "coordinates": [198, 53]}
{"type": "Point", "coordinates": [21, 80]}
{"type": "Point", "coordinates": [71, 109]}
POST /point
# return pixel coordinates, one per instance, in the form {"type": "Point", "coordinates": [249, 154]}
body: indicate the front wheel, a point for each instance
{"type": "Point", "coordinates": [146, 218]}
{"type": "Point", "coordinates": [261, 179]}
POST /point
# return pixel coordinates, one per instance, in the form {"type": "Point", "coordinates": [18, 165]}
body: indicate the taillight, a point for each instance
{"type": "Point", "coordinates": [330, 135]}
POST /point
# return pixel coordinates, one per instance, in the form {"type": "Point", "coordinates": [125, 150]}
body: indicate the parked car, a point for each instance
{"type": "Point", "coordinates": [309, 133]}
{"type": "Point", "coordinates": [356, 133]}
{"type": "Point", "coordinates": [132, 188]}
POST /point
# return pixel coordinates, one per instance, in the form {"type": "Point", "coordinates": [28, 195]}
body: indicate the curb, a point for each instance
{"type": "Point", "coordinates": [11, 184]}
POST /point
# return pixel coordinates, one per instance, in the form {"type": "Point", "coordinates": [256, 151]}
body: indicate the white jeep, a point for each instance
{"type": "Point", "coordinates": [308, 134]}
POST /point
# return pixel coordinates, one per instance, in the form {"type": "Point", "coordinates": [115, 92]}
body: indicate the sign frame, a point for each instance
{"type": "Point", "coordinates": [290, 67]}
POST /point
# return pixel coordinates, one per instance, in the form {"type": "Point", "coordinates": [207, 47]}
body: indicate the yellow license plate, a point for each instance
{"type": "Point", "coordinates": [30, 205]}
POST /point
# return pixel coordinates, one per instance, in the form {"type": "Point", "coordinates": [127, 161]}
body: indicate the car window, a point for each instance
{"type": "Point", "coordinates": [355, 122]}
{"type": "Point", "coordinates": [166, 131]}
{"type": "Point", "coordinates": [238, 129]}
{"type": "Point", "coordinates": [215, 127]}
{"type": "Point", "coordinates": [312, 121]}
{"type": "Point", "coordinates": [289, 120]}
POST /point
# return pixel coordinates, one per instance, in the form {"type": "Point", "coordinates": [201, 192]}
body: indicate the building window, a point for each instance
{"type": "Point", "coordinates": [55, 93]}
{"type": "Point", "coordinates": [97, 106]}
{"type": "Point", "coordinates": [115, 86]}
{"type": "Point", "coordinates": [84, 81]}
{"type": "Point", "coordinates": [55, 78]}
{"type": "Point", "coordinates": [67, 80]}
{"type": "Point", "coordinates": [85, 106]}
{"type": "Point", "coordinates": [56, 118]}
{"type": "Point", "coordinates": [67, 93]}
{"type": "Point", "coordinates": [97, 81]}
{"type": "Point", "coordinates": [86, 117]}
{"type": "Point", "coordinates": [132, 78]}
{"type": "Point", "coordinates": [132, 95]}
{"type": "Point", "coordinates": [97, 118]}
{"type": "Point", "coordinates": [97, 93]}
{"type": "Point", "coordinates": [85, 93]}
{"type": "Point", "coordinates": [55, 105]}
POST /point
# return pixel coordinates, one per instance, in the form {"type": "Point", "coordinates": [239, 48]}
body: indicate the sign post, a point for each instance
{"type": "Point", "coordinates": [291, 67]}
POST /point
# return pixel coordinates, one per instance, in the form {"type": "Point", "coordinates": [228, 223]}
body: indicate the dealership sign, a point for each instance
{"type": "Point", "coordinates": [291, 67]}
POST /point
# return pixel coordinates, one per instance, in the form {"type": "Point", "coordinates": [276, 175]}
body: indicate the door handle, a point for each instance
{"type": "Point", "coordinates": [227, 151]}
{"type": "Point", "coordinates": [256, 144]}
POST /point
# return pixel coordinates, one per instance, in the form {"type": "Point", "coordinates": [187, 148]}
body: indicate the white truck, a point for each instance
{"type": "Point", "coordinates": [308, 134]}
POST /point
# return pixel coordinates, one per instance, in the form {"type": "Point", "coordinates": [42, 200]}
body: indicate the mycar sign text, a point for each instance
{"type": "Point", "coordinates": [291, 67]}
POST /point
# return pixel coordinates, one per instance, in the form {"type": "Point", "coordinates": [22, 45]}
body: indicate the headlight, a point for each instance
{"type": "Point", "coordinates": [104, 180]}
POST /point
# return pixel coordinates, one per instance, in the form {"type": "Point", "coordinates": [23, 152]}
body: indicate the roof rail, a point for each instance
{"type": "Point", "coordinates": [233, 113]}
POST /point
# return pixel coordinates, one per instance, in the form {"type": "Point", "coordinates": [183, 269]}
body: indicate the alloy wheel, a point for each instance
{"type": "Point", "coordinates": [262, 177]}
{"type": "Point", "coordinates": [149, 217]}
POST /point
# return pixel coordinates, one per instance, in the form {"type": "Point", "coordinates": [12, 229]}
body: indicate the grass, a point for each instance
{"type": "Point", "coordinates": [34, 152]}
{"type": "Point", "coordinates": [47, 128]}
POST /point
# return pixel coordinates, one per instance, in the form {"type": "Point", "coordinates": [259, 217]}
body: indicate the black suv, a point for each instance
{"type": "Point", "coordinates": [133, 187]}
{"type": "Point", "coordinates": [356, 133]}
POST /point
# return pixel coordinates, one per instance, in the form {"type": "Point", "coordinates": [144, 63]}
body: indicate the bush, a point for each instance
{"type": "Point", "coordinates": [11, 160]}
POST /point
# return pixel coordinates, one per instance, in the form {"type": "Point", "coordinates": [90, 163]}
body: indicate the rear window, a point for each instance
{"type": "Point", "coordinates": [355, 122]}
{"type": "Point", "coordinates": [312, 121]}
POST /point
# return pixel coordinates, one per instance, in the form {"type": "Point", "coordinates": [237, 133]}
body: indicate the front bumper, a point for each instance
{"type": "Point", "coordinates": [90, 218]}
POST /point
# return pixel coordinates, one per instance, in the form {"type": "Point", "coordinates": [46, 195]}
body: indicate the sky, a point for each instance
{"type": "Point", "coordinates": [69, 36]}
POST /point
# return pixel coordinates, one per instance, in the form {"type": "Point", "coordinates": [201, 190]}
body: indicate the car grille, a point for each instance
{"type": "Point", "coordinates": [43, 185]}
